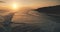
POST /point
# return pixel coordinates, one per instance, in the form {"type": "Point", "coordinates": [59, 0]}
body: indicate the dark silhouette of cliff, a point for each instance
{"type": "Point", "coordinates": [50, 9]}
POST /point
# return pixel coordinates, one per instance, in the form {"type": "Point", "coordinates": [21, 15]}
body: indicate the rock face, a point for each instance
{"type": "Point", "coordinates": [53, 11]}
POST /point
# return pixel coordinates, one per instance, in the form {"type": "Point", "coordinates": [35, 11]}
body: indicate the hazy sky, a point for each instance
{"type": "Point", "coordinates": [34, 3]}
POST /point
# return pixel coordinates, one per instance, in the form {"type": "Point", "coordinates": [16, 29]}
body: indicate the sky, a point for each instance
{"type": "Point", "coordinates": [31, 3]}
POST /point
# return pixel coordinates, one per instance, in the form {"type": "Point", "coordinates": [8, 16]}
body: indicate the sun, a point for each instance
{"type": "Point", "coordinates": [14, 6]}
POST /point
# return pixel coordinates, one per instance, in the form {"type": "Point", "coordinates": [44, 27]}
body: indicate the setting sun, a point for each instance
{"type": "Point", "coordinates": [14, 6]}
